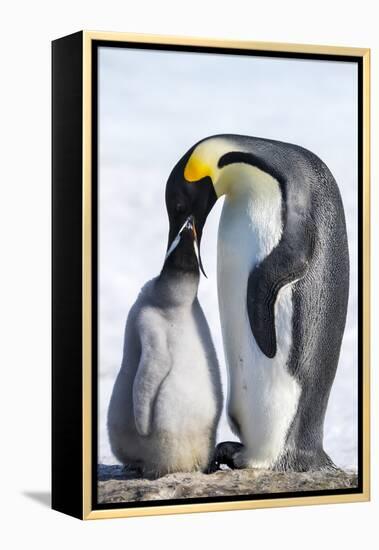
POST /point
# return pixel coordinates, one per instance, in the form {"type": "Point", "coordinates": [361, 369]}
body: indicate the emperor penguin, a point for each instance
{"type": "Point", "coordinates": [167, 398]}
{"type": "Point", "coordinates": [283, 283]}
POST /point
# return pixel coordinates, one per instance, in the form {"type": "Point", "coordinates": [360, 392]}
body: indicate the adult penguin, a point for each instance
{"type": "Point", "coordinates": [283, 282]}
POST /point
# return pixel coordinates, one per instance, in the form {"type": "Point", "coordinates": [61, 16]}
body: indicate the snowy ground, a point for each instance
{"type": "Point", "coordinates": [153, 107]}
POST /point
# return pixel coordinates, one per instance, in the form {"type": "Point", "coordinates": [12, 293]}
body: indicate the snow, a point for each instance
{"type": "Point", "coordinates": [152, 107]}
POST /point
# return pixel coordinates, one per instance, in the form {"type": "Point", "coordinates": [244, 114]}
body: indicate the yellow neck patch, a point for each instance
{"type": "Point", "coordinates": [204, 160]}
{"type": "Point", "coordinates": [196, 169]}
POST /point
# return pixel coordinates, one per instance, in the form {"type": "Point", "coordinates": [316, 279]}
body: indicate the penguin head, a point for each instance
{"type": "Point", "coordinates": [195, 184]}
{"type": "Point", "coordinates": [187, 205]}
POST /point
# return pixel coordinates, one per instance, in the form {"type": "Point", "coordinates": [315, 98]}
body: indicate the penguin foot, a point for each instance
{"type": "Point", "coordinates": [304, 460]}
{"type": "Point", "coordinates": [134, 470]}
{"type": "Point", "coordinates": [225, 453]}
{"type": "Point", "coordinates": [212, 468]}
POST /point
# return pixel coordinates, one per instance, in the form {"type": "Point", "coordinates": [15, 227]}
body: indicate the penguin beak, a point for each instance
{"type": "Point", "coordinates": [188, 225]}
{"type": "Point", "coordinates": [196, 246]}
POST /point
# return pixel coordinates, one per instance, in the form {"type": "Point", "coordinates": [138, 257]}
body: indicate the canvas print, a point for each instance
{"type": "Point", "coordinates": [228, 327]}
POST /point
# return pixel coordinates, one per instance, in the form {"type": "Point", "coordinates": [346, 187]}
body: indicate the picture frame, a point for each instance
{"type": "Point", "coordinates": [75, 318]}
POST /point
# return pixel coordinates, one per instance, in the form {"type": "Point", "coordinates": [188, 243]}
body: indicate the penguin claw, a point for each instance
{"type": "Point", "coordinates": [133, 470]}
{"type": "Point", "coordinates": [212, 468]}
{"type": "Point", "coordinates": [225, 454]}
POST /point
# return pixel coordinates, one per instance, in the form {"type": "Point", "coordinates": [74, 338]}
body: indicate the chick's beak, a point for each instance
{"type": "Point", "coordinates": [188, 225]}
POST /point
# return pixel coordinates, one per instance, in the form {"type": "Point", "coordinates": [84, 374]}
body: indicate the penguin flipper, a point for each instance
{"type": "Point", "coordinates": [286, 263]}
{"type": "Point", "coordinates": [153, 368]}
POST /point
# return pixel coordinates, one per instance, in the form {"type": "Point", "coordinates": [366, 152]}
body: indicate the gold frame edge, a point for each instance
{"type": "Point", "coordinates": [364, 496]}
{"type": "Point", "coordinates": [225, 43]}
{"type": "Point", "coordinates": [366, 247]}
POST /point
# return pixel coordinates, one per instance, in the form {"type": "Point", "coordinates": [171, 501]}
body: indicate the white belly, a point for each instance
{"type": "Point", "coordinates": [262, 395]}
{"type": "Point", "coordinates": [186, 402]}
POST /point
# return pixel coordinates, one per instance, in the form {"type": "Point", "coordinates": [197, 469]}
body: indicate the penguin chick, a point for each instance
{"type": "Point", "coordinates": [167, 398]}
